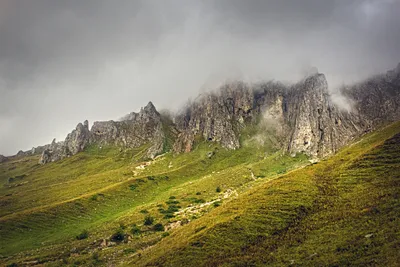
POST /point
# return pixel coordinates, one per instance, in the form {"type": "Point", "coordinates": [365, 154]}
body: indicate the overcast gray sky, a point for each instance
{"type": "Point", "coordinates": [62, 62]}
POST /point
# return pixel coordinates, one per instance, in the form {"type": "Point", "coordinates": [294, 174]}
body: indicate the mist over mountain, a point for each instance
{"type": "Point", "coordinates": [199, 133]}
{"type": "Point", "coordinates": [63, 62]}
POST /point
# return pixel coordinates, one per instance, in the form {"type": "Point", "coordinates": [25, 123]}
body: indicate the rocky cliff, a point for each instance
{"type": "Point", "coordinates": [215, 117]}
{"type": "Point", "coordinates": [311, 122]}
{"type": "Point", "coordinates": [134, 130]}
{"type": "Point", "coordinates": [317, 127]}
{"type": "Point", "coordinates": [301, 116]}
{"type": "Point", "coordinates": [3, 158]}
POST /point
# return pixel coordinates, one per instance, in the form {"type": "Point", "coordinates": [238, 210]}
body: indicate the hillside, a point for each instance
{"type": "Point", "coordinates": [342, 211]}
{"type": "Point", "coordinates": [245, 175]}
{"type": "Point", "coordinates": [103, 189]}
{"type": "Point", "coordinates": [212, 205]}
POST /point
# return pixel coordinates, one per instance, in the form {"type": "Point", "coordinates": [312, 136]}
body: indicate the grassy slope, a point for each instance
{"type": "Point", "coordinates": [317, 215]}
{"type": "Point", "coordinates": [43, 211]}
{"type": "Point", "coordinates": [341, 211]}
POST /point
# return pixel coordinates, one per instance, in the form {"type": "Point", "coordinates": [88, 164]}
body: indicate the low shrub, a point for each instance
{"type": "Point", "coordinates": [148, 220]}
{"type": "Point", "coordinates": [135, 230]}
{"type": "Point", "coordinates": [83, 235]}
{"type": "Point", "coordinates": [118, 236]}
{"type": "Point", "coordinates": [158, 227]}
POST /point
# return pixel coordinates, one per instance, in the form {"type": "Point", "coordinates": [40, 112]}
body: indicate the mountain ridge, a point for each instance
{"type": "Point", "coordinates": [304, 112]}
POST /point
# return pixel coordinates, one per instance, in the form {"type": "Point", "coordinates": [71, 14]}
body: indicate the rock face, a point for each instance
{"type": "Point", "coordinates": [303, 112]}
{"type": "Point", "coordinates": [78, 139]}
{"type": "Point", "coordinates": [215, 117]}
{"type": "Point", "coordinates": [317, 127]}
{"type": "Point", "coordinates": [134, 130]}
{"type": "Point", "coordinates": [3, 158]}
{"type": "Point", "coordinates": [53, 152]}
{"type": "Point", "coordinates": [377, 99]}
{"type": "Point", "coordinates": [302, 116]}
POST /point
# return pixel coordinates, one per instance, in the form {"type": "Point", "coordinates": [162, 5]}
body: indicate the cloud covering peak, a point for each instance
{"type": "Point", "coordinates": [65, 61]}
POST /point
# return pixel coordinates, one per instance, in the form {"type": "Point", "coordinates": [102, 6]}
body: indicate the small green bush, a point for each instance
{"type": "Point", "coordinates": [148, 220]}
{"type": "Point", "coordinates": [200, 200]}
{"type": "Point", "coordinates": [135, 230]}
{"type": "Point", "coordinates": [132, 187]}
{"type": "Point", "coordinates": [172, 202]}
{"type": "Point", "coordinates": [118, 236]}
{"type": "Point", "coordinates": [218, 189]}
{"type": "Point", "coordinates": [158, 227]}
{"type": "Point", "coordinates": [83, 235]}
{"type": "Point", "coordinates": [169, 216]}
{"type": "Point", "coordinates": [129, 250]}
{"type": "Point", "coordinates": [165, 234]}
{"type": "Point", "coordinates": [144, 211]}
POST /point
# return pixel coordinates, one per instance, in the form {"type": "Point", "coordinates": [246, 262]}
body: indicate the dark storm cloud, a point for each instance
{"type": "Point", "coordinates": [65, 61]}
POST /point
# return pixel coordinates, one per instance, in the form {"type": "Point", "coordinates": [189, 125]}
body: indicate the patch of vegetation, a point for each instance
{"type": "Point", "coordinates": [129, 251]}
{"type": "Point", "coordinates": [148, 220]}
{"type": "Point", "coordinates": [165, 234]}
{"type": "Point", "coordinates": [158, 227]}
{"type": "Point", "coordinates": [132, 187]}
{"type": "Point", "coordinates": [217, 203]}
{"type": "Point", "coordinates": [339, 212]}
{"type": "Point", "coordinates": [196, 200]}
{"type": "Point", "coordinates": [83, 235]}
{"type": "Point", "coordinates": [118, 236]}
{"type": "Point", "coordinates": [135, 230]}
{"type": "Point", "coordinates": [172, 202]}
{"type": "Point", "coordinates": [44, 222]}
{"type": "Point", "coordinates": [16, 178]}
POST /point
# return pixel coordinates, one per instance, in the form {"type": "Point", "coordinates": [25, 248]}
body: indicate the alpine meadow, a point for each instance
{"type": "Point", "coordinates": [207, 136]}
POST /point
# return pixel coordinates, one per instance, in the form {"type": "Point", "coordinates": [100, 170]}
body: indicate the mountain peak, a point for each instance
{"type": "Point", "coordinates": [150, 109]}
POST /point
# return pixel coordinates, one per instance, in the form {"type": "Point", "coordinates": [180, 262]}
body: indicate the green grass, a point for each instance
{"type": "Point", "coordinates": [98, 189]}
{"type": "Point", "coordinates": [342, 211]}
{"type": "Point", "coordinates": [264, 213]}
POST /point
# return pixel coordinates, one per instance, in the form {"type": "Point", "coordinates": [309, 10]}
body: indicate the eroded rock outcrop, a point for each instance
{"type": "Point", "coordinates": [303, 112]}
{"type": "Point", "coordinates": [136, 129]}
{"type": "Point", "coordinates": [53, 152]}
{"type": "Point", "coordinates": [215, 117]}
{"type": "Point", "coordinates": [3, 158]}
{"type": "Point", "coordinates": [377, 99]}
{"type": "Point", "coordinates": [318, 127]}
{"type": "Point", "coordinates": [301, 117]}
